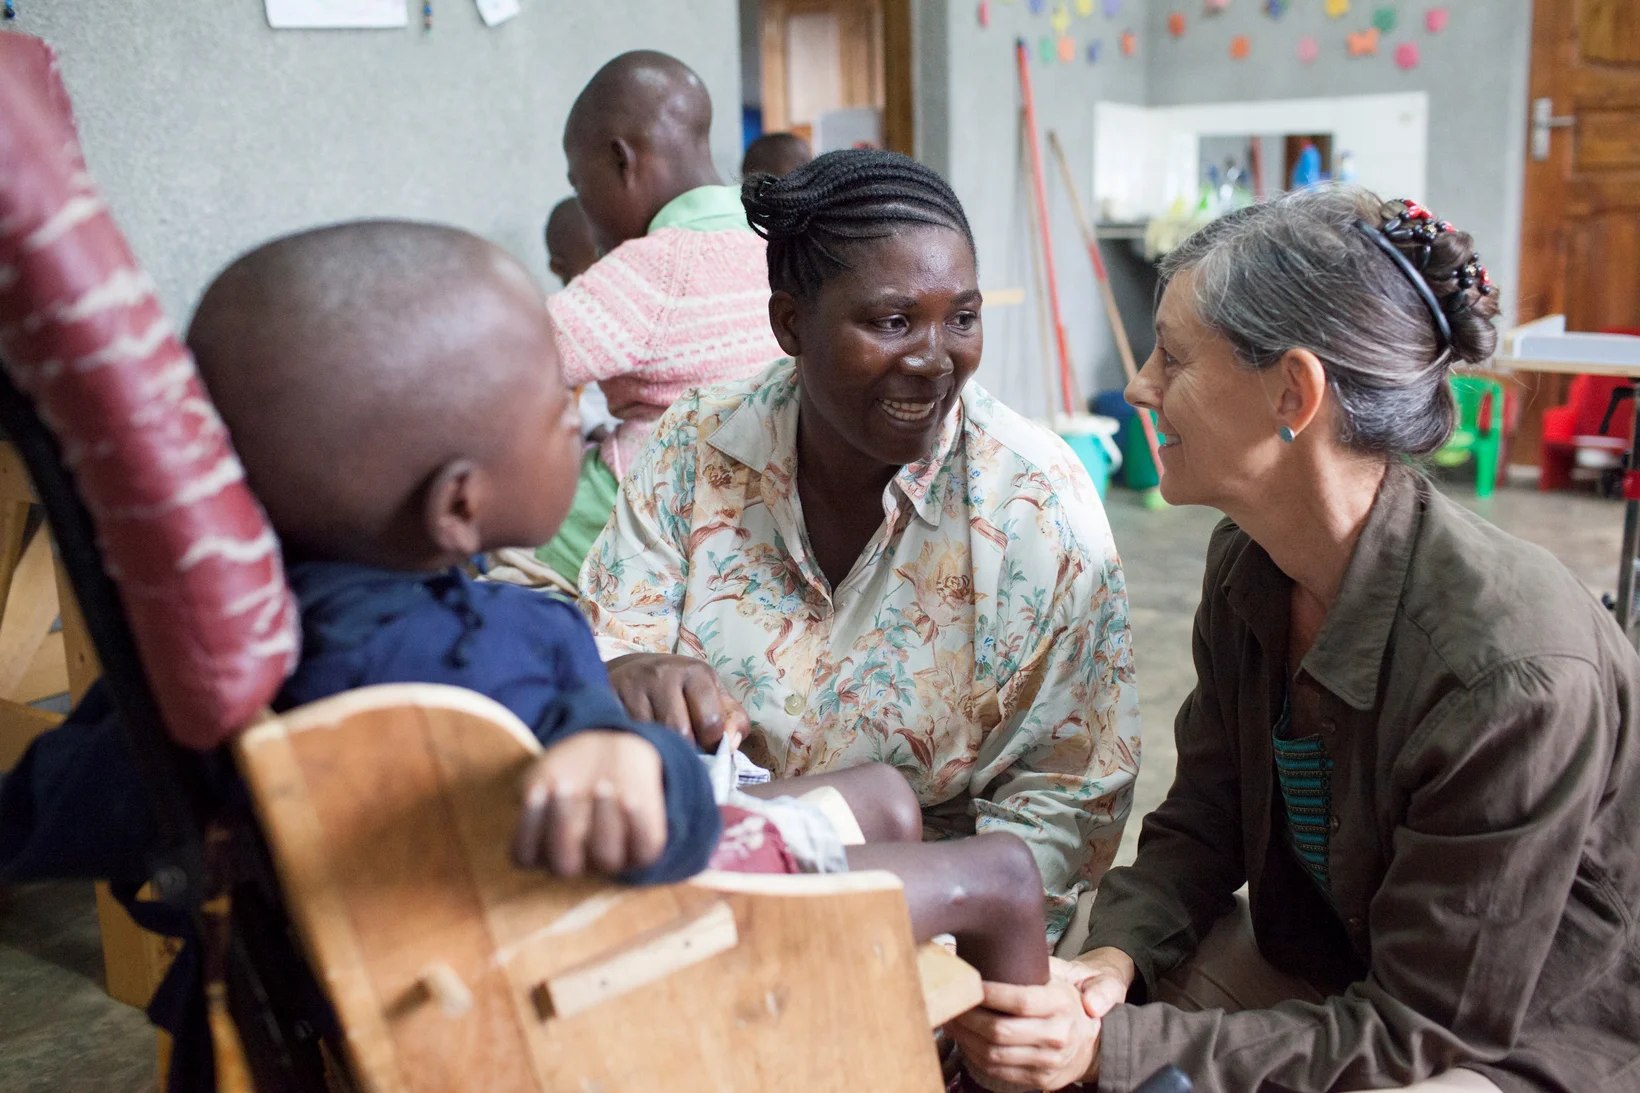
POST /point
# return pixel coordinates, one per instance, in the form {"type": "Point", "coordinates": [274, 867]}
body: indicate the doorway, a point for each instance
{"type": "Point", "coordinates": [836, 72]}
{"type": "Point", "coordinates": [1580, 230]}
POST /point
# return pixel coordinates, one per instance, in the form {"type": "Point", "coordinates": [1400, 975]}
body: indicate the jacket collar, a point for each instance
{"type": "Point", "coordinates": [1349, 652]}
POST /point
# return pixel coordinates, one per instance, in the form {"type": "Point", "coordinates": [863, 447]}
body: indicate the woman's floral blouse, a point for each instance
{"type": "Point", "coordinates": [980, 644]}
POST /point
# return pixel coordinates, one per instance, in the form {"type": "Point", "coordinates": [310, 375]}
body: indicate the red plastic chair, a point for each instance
{"type": "Point", "coordinates": [1569, 428]}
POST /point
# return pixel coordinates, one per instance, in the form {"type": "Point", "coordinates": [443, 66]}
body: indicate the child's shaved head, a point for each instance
{"type": "Point", "coordinates": [571, 249]}
{"type": "Point", "coordinates": [375, 374]}
{"type": "Point", "coordinates": [637, 137]}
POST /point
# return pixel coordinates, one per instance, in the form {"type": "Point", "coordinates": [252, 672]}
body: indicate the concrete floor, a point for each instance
{"type": "Point", "coordinates": [59, 1033]}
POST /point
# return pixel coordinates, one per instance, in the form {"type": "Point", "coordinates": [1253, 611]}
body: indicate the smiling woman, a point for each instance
{"type": "Point", "coordinates": [870, 560]}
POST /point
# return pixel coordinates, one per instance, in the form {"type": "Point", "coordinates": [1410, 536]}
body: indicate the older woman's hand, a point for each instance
{"type": "Point", "coordinates": [1045, 1037]}
{"type": "Point", "coordinates": [1032, 1037]}
{"type": "Point", "coordinates": [677, 691]}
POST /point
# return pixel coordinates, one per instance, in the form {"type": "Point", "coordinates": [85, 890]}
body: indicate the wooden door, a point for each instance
{"type": "Point", "coordinates": [1580, 239]}
{"type": "Point", "coordinates": [872, 66]}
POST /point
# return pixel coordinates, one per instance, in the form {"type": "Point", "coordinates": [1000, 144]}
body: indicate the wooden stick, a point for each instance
{"type": "Point", "coordinates": [1044, 324]}
{"type": "Point", "coordinates": [1023, 55]}
{"type": "Point", "coordinates": [1123, 347]}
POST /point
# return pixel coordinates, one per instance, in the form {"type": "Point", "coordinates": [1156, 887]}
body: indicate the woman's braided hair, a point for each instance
{"type": "Point", "coordinates": [812, 216]}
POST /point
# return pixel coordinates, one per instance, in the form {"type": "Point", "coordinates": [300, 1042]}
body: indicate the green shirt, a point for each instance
{"type": "Point", "coordinates": [704, 209]}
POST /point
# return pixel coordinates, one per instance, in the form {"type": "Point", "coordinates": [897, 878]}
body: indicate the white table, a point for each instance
{"type": "Point", "coordinates": [1546, 346]}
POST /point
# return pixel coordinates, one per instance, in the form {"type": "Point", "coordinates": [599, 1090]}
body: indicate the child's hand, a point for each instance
{"type": "Point", "coordinates": [594, 802]}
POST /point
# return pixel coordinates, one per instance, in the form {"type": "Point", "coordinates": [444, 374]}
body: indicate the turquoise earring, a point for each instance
{"type": "Point", "coordinates": [1286, 434]}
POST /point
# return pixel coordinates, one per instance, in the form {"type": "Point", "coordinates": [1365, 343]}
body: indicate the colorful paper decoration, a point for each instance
{"type": "Point", "coordinates": [1337, 9]}
{"type": "Point", "coordinates": [1093, 52]}
{"type": "Point", "coordinates": [1175, 24]}
{"type": "Point", "coordinates": [1067, 50]}
{"type": "Point", "coordinates": [1113, 8]}
{"type": "Point", "coordinates": [1275, 9]}
{"type": "Point", "coordinates": [1406, 55]}
{"type": "Point", "coordinates": [1036, 6]}
{"type": "Point", "coordinates": [1061, 21]}
{"type": "Point", "coordinates": [1084, 8]}
{"type": "Point", "coordinates": [1364, 43]}
{"type": "Point", "coordinates": [1044, 49]}
{"type": "Point", "coordinates": [1216, 6]}
{"type": "Point", "coordinates": [1308, 49]}
{"type": "Point", "coordinates": [1240, 47]}
{"type": "Point", "coordinates": [984, 13]}
{"type": "Point", "coordinates": [1384, 19]}
{"type": "Point", "coordinates": [1130, 43]}
{"type": "Point", "coordinates": [1435, 20]}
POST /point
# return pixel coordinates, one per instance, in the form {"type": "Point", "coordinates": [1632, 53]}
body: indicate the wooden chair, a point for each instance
{"type": "Point", "coordinates": [390, 811]}
{"type": "Point", "coordinates": [33, 657]}
{"type": "Point", "coordinates": [386, 813]}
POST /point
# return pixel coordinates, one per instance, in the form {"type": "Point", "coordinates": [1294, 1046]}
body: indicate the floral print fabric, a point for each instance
{"type": "Point", "coordinates": [980, 644]}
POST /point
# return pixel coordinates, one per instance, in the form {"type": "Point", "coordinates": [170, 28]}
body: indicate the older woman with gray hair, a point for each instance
{"type": "Point", "coordinates": [1413, 737]}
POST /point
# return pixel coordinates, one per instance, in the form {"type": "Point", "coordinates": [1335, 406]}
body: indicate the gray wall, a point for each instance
{"type": "Point", "coordinates": [1476, 73]}
{"type": "Point", "coordinates": [978, 144]}
{"type": "Point", "coordinates": [210, 132]}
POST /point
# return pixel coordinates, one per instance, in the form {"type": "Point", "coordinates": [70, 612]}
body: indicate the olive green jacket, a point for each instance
{"type": "Point", "coordinates": [1478, 709]}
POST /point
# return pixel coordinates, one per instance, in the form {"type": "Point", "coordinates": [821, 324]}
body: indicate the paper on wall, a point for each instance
{"type": "Point", "coordinates": [335, 14]}
{"type": "Point", "coordinates": [495, 12]}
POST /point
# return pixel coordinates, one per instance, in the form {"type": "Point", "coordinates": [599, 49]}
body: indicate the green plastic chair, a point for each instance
{"type": "Point", "coordinates": [1479, 434]}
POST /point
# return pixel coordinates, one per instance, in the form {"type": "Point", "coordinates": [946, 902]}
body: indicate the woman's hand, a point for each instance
{"type": "Point", "coordinates": [1033, 1037]}
{"type": "Point", "coordinates": [677, 691]}
{"type": "Point", "coordinates": [1106, 977]}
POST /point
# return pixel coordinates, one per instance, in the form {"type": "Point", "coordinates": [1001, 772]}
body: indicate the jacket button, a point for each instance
{"type": "Point", "coordinates": [1329, 725]}
{"type": "Point", "coordinates": [794, 705]}
{"type": "Point", "coordinates": [1336, 824]}
{"type": "Point", "coordinates": [1356, 925]}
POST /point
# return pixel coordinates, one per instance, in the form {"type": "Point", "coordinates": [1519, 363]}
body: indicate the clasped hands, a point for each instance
{"type": "Point", "coordinates": [1046, 1037]}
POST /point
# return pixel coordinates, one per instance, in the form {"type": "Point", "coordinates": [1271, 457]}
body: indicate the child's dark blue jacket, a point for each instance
{"type": "Point", "coordinates": [75, 807]}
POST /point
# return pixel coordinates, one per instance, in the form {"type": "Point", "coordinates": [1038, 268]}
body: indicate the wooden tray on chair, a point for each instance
{"type": "Point", "coordinates": [390, 812]}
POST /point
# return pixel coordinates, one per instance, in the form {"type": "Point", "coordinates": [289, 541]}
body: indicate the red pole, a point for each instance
{"type": "Point", "coordinates": [1024, 56]}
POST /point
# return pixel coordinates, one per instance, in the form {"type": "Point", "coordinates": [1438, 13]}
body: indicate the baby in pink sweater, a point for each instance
{"type": "Point", "coordinates": [680, 297]}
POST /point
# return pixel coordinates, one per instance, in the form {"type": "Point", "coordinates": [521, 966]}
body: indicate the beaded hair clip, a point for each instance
{"type": "Point", "coordinates": [1416, 224]}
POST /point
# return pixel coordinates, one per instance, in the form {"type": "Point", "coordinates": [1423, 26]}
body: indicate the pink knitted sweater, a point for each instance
{"type": "Point", "coordinates": [658, 315]}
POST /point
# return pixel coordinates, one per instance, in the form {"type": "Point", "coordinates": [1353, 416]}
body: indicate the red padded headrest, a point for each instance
{"type": "Point", "coordinates": [81, 332]}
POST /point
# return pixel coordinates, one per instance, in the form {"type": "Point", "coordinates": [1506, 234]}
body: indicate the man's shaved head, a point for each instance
{"type": "Point", "coordinates": [643, 94]}
{"type": "Point", "coordinates": [354, 364]}
{"type": "Point", "coordinates": [637, 137]}
{"type": "Point", "coordinates": [777, 154]}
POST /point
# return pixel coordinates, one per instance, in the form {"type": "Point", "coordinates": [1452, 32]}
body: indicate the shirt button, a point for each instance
{"type": "Point", "coordinates": [794, 705]}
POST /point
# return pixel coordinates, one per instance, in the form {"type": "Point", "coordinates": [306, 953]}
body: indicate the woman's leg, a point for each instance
{"type": "Point", "coordinates": [984, 890]}
{"type": "Point", "coordinates": [1229, 973]}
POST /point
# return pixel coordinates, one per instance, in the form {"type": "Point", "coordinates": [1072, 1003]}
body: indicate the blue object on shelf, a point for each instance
{"type": "Point", "coordinates": [1307, 172]}
{"type": "Point", "coordinates": [1093, 439]}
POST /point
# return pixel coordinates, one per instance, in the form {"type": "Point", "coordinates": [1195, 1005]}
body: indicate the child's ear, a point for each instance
{"type": "Point", "coordinates": [783, 320]}
{"type": "Point", "coordinates": [452, 510]}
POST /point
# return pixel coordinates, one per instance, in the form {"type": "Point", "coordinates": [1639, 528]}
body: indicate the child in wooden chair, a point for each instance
{"type": "Point", "coordinates": [394, 393]}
